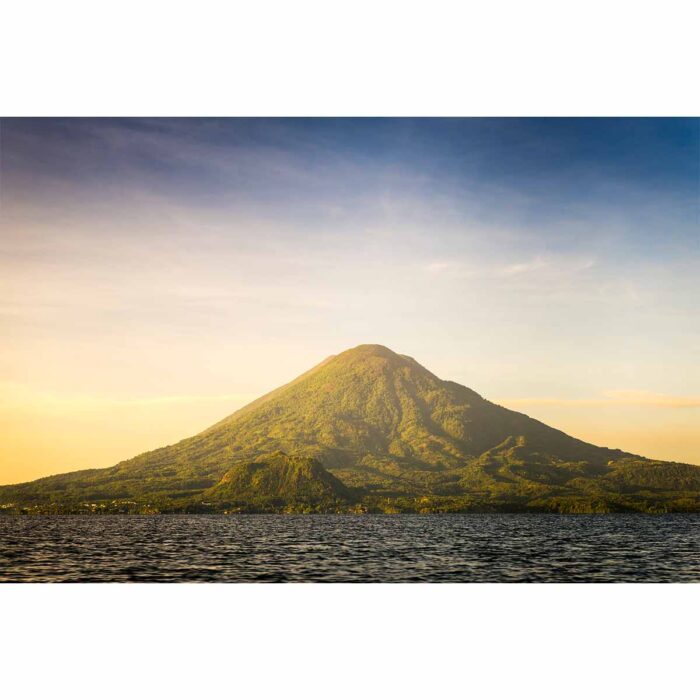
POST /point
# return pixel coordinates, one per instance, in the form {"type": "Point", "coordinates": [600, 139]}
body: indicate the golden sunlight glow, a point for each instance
{"type": "Point", "coordinates": [47, 434]}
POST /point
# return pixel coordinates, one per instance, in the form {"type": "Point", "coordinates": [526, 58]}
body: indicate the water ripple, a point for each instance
{"type": "Point", "coordinates": [363, 548]}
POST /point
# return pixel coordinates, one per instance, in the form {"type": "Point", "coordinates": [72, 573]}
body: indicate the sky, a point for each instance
{"type": "Point", "coordinates": [156, 275]}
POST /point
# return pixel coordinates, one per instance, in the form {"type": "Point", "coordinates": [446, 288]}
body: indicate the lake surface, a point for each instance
{"type": "Point", "coordinates": [362, 548]}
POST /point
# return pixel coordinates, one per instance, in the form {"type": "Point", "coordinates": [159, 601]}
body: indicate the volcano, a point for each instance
{"type": "Point", "coordinates": [370, 429]}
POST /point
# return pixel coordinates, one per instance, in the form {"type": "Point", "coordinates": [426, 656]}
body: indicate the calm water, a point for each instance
{"type": "Point", "coordinates": [367, 548]}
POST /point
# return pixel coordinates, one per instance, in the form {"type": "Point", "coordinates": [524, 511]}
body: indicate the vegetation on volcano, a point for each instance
{"type": "Point", "coordinates": [370, 431]}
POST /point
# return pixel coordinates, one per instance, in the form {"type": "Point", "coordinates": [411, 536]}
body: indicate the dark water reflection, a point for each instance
{"type": "Point", "coordinates": [366, 548]}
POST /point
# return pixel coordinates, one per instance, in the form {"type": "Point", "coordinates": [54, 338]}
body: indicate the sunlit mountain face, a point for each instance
{"type": "Point", "coordinates": [371, 430]}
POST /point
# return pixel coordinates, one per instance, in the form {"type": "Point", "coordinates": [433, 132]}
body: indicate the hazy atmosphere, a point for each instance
{"type": "Point", "coordinates": [155, 275]}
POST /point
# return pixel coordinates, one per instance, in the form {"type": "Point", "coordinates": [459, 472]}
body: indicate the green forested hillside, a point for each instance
{"type": "Point", "coordinates": [277, 481]}
{"type": "Point", "coordinates": [390, 436]}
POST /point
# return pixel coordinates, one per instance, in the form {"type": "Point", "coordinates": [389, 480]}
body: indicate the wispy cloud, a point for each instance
{"type": "Point", "coordinates": [610, 398]}
{"type": "Point", "coordinates": [449, 268]}
{"type": "Point", "coordinates": [523, 267]}
{"type": "Point", "coordinates": [539, 266]}
{"type": "Point", "coordinates": [647, 398]}
{"type": "Point", "coordinates": [438, 267]}
{"type": "Point", "coordinates": [560, 264]}
{"type": "Point", "coordinates": [15, 396]}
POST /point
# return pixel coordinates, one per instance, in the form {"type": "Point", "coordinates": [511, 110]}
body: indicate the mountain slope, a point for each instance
{"type": "Point", "coordinates": [385, 425]}
{"type": "Point", "coordinates": [275, 480]}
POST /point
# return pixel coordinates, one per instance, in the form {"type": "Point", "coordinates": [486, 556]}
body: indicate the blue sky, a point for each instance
{"type": "Point", "coordinates": [549, 263]}
{"type": "Point", "coordinates": [557, 167]}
